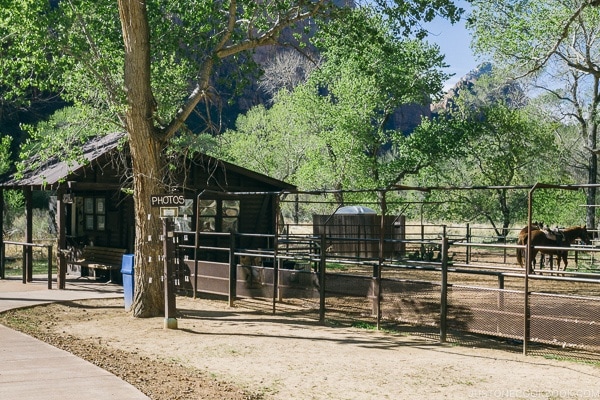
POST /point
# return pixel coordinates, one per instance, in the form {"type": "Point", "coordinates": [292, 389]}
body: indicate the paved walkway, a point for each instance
{"type": "Point", "coordinates": [32, 370]}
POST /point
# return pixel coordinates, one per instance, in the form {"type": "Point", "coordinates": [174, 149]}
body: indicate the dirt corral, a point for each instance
{"type": "Point", "coordinates": [248, 352]}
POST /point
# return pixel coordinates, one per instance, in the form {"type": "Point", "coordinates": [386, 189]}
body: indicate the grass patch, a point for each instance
{"type": "Point", "coordinates": [364, 325]}
{"type": "Point", "coordinates": [336, 267]}
{"type": "Point", "coordinates": [574, 359]}
{"type": "Point", "coordinates": [16, 268]}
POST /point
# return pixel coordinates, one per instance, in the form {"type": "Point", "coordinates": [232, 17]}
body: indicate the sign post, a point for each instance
{"type": "Point", "coordinates": [168, 255]}
{"type": "Point", "coordinates": [169, 209]}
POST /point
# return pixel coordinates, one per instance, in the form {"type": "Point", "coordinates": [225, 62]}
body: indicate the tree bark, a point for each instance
{"type": "Point", "coordinates": [147, 164]}
{"type": "Point", "coordinates": [592, 142]}
{"type": "Point", "coordinates": [147, 140]}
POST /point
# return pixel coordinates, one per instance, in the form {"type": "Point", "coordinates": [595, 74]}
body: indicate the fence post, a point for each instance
{"type": "Point", "coordinates": [277, 262]}
{"type": "Point", "coordinates": [501, 292]}
{"type": "Point", "coordinates": [322, 264]}
{"type": "Point", "coordinates": [24, 263]}
{"type": "Point", "coordinates": [170, 321]}
{"type": "Point", "coordinates": [2, 260]}
{"type": "Point", "coordinates": [380, 256]}
{"type": "Point", "coordinates": [468, 249]}
{"type": "Point", "coordinates": [49, 266]}
{"type": "Point", "coordinates": [276, 268]}
{"type": "Point", "coordinates": [232, 269]}
{"type": "Point", "coordinates": [444, 291]}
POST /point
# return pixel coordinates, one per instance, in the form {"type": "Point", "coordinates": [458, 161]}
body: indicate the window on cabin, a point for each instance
{"type": "Point", "coordinates": [94, 209]}
{"type": "Point", "coordinates": [230, 214]}
{"type": "Point", "coordinates": [183, 221]}
{"type": "Point", "coordinates": [208, 215]}
{"type": "Point", "coordinates": [218, 215]}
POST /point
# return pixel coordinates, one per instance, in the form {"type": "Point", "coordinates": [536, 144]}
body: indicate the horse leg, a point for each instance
{"type": "Point", "coordinates": [564, 255]}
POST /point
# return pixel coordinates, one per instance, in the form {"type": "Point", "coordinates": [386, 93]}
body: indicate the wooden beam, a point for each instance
{"type": "Point", "coordinates": [28, 251]}
{"type": "Point", "coordinates": [62, 239]}
{"type": "Point", "coordinates": [2, 250]}
{"type": "Point", "coordinates": [95, 186]}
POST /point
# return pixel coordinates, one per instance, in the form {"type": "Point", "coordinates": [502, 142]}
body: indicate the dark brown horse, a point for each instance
{"type": "Point", "coordinates": [562, 238]}
{"type": "Point", "coordinates": [522, 239]}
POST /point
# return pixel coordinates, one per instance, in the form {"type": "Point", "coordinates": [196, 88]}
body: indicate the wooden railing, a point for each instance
{"type": "Point", "coordinates": [27, 273]}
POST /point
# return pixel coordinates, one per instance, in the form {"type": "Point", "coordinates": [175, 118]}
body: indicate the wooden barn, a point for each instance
{"type": "Point", "coordinates": [94, 207]}
{"type": "Point", "coordinates": [355, 231]}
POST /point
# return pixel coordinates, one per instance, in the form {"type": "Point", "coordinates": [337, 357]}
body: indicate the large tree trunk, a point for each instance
{"type": "Point", "coordinates": [147, 166]}
{"type": "Point", "coordinates": [592, 142]}
{"type": "Point", "coordinates": [592, 179]}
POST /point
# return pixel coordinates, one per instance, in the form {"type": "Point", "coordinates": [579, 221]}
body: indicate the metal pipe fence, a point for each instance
{"type": "Point", "coordinates": [454, 282]}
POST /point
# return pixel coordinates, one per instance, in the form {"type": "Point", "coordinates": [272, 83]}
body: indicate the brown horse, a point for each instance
{"type": "Point", "coordinates": [563, 238]}
{"type": "Point", "coordinates": [522, 239]}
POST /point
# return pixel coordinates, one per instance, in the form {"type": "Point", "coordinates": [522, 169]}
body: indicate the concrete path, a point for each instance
{"type": "Point", "coordinates": [31, 369]}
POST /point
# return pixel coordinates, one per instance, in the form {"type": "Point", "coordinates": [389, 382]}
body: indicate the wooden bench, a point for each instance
{"type": "Point", "coordinates": [101, 258]}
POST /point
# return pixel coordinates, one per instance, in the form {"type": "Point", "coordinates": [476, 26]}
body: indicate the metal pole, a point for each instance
{"type": "Point", "coordinates": [468, 250]}
{"type": "Point", "coordinates": [377, 289]}
{"type": "Point", "coordinates": [232, 268]}
{"type": "Point", "coordinates": [322, 264]}
{"type": "Point", "coordinates": [444, 291]}
{"type": "Point", "coordinates": [197, 243]}
{"type": "Point", "coordinates": [275, 254]}
{"type": "Point", "coordinates": [526, 320]}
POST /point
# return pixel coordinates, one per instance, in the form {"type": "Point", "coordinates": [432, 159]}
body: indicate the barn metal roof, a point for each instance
{"type": "Point", "coordinates": [355, 210]}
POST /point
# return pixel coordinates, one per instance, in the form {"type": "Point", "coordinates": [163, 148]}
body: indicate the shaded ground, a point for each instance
{"type": "Point", "coordinates": [246, 352]}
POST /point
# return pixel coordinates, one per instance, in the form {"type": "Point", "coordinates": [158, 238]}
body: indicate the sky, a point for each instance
{"type": "Point", "coordinates": [454, 41]}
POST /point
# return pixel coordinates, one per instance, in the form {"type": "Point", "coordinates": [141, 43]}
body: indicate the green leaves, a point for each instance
{"type": "Point", "coordinates": [406, 15]}
{"type": "Point", "coordinates": [333, 132]}
{"type": "Point", "coordinates": [62, 136]}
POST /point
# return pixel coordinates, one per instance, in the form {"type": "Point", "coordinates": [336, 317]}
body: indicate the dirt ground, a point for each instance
{"type": "Point", "coordinates": [246, 352]}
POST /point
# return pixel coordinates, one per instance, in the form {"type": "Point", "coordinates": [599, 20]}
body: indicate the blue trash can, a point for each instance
{"type": "Point", "coordinates": [128, 282]}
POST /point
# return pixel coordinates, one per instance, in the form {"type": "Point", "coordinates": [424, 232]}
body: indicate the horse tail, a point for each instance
{"type": "Point", "coordinates": [520, 257]}
{"type": "Point", "coordinates": [521, 240]}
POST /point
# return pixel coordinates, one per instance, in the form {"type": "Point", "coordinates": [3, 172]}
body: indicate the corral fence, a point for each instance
{"type": "Point", "coordinates": [453, 281]}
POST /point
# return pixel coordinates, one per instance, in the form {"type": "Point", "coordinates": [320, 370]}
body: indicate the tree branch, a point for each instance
{"type": "Point", "coordinates": [562, 37]}
{"type": "Point", "coordinates": [221, 51]}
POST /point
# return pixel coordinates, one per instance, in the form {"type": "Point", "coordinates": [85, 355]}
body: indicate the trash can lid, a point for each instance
{"type": "Point", "coordinates": [127, 264]}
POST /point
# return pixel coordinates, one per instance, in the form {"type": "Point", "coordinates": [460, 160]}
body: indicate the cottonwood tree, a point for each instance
{"type": "Point", "coordinates": [503, 146]}
{"type": "Point", "coordinates": [149, 65]}
{"type": "Point", "coordinates": [287, 70]}
{"type": "Point", "coordinates": [367, 75]}
{"type": "Point", "coordinates": [336, 131]}
{"type": "Point", "coordinates": [557, 45]}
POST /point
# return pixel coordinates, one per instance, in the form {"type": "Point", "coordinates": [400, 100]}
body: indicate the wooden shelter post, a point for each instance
{"type": "Point", "coordinates": [2, 249]}
{"type": "Point", "coordinates": [62, 239]}
{"type": "Point", "coordinates": [28, 250]}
